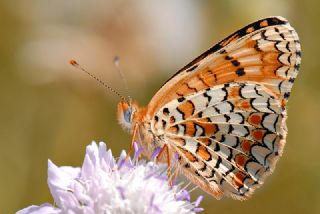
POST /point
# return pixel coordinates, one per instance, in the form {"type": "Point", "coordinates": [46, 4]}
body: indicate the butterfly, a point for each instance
{"type": "Point", "coordinates": [224, 114]}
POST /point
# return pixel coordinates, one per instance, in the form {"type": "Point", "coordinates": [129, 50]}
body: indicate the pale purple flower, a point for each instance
{"type": "Point", "coordinates": [105, 185]}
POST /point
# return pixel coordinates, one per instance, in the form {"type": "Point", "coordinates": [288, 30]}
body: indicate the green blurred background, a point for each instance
{"type": "Point", "coordinates": [49, 110]}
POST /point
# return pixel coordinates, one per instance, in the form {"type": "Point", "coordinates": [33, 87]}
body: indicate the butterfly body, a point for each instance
{"type": "Point", "coordinates": [224, 114]}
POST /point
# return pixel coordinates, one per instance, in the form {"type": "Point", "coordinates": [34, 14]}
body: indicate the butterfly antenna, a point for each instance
{"type": "Point", "coordinates": [116, 62]}
{"type": "Point", "coordinates": [76, 65]}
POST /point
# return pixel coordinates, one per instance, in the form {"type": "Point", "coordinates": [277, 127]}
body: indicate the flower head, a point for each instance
{"type": "Point", "coordinates": [105, 185]}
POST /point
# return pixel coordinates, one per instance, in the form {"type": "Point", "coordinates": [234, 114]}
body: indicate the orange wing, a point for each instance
{"type": "Point", "coordinates": [224, 113]}
{"type": "Point", "coordinates": [266, 52]}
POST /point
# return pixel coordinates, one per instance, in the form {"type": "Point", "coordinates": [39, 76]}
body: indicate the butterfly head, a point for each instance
{"type": "Point", "coordinates": [126, 111]}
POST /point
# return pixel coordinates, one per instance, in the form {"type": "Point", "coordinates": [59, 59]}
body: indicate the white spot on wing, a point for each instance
{"type": "Point", "coordinates": [199, 102]}
{"type": "Point", "coordinates": [260, 153]}
{"type": "Point", "coordinates": [217, 95]}
{"type": "Point", "coordinates": [224, 107]}
{"type": "Point", "coordinates": [208, 112]}
{"type": "Point", "coordinates": [191, 145]}
{"type": "Point", "coordinates": [269, 121]}
{"type": "Point", "coordinates": [240, 130]}
{"type": "Point", "coordinates": [230, 140]}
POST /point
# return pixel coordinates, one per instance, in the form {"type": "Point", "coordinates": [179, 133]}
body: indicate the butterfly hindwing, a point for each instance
{"type": "Point", "coordinates": [234, 130]}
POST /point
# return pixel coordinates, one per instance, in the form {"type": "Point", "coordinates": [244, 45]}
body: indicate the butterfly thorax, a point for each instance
{"type": "Point", "coordinates": [130, 115]}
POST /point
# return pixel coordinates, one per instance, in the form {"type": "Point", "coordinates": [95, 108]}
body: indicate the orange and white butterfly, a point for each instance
{"type": "Point", "coordinates": [224, 114]}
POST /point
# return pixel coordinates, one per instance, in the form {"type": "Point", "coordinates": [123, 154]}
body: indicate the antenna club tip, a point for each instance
{"type": "Point", "coordinates": [116, 60]}
{"type": "Point", "coordinates": [73, 62]}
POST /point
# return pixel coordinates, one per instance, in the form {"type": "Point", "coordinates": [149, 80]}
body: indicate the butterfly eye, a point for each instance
{"type": "Point", "coordinates": [127, 115]}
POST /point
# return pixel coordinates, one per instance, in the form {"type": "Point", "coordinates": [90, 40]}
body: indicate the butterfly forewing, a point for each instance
{"type": "Point", "coordinates": [224, 113]}
{"type": "Point", "coordinates": [267, 51]}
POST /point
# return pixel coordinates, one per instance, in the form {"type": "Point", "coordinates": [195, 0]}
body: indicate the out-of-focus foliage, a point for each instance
{"type": "Point", "coordinates": [50, 110]}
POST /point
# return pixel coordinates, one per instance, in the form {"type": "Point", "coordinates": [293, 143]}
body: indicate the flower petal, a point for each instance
{"type": "Point", "coordinates": [59, 181]}
{"type": "Point", "coordinates": [104, 185]}
{"type": "Point", "coordinates": [44, 208]}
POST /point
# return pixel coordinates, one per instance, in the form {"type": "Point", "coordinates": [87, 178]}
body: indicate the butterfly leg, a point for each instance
{"type": "Point", "coordinates": [135, 129]}
{"type": "Point", "coordinates": [165, 149]}
{"type": "Point", "coordinates": [175, 170]}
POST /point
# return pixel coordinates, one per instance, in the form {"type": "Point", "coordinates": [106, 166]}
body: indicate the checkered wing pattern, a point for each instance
{"type": "Point", "coordinates": [225, 112]}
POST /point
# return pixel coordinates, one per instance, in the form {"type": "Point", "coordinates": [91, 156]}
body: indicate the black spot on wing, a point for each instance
{"type": "Point", "coordinates": [230, 154]}
{"type": "Point", "coordinates": [181, 99]}
{"type": "Point", "coordinates": [230, 130]}
{"type": "Point", "coordinates": [166, 111]}
{"type": "Point", "coordinates": [263, 35]}
{"type": "Point", "coordinates": [235, 62]}
{"type": "Point", "coordinates": [219, 161]}
{"type": "Point", "coordinates": [228, 57]}
{"type": "Point", "coordinates": [216, 147]}
{"type": "Point", "coordinates": [164, 123]}
{"type": "Point", "coordinates": [240, 72]}
{"type": "Point", "coordinates": [282, 36]}
{"type": "Point", "coordinates": [286, 95]}
{"type": "Point", "coordinates": [223, 51]}
{"type": "Point", "coordinates": [298, 53]}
